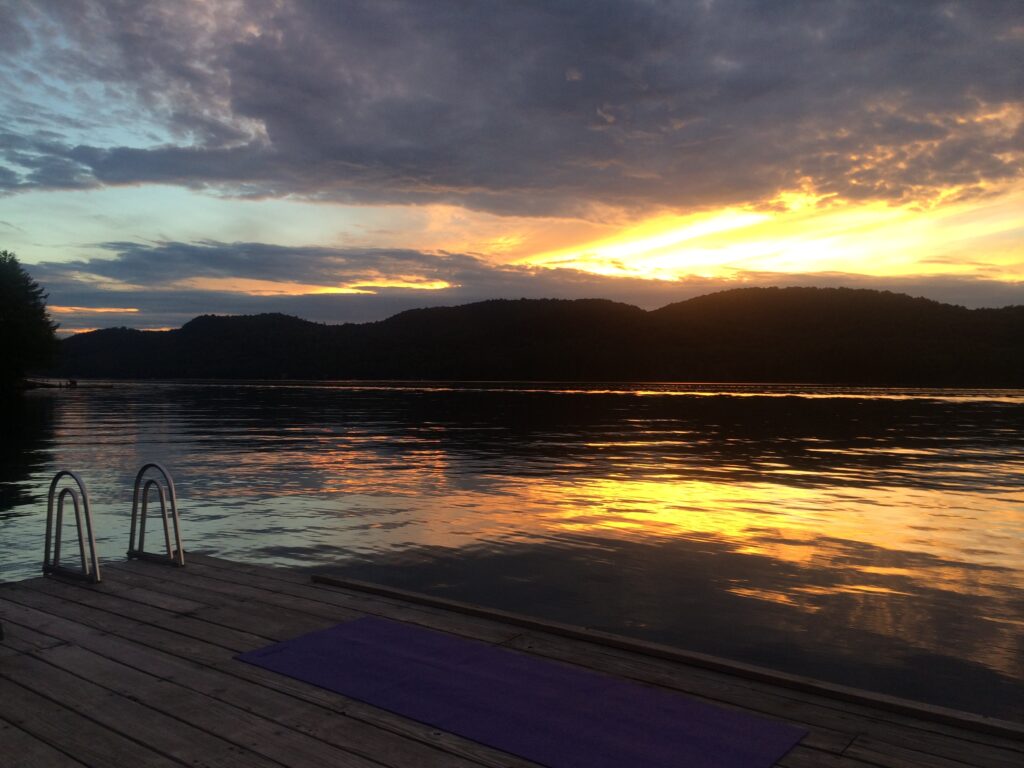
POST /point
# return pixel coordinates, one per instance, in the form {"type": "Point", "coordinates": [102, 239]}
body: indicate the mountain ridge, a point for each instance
{"type": "Point", "coordinates": [811, 335]}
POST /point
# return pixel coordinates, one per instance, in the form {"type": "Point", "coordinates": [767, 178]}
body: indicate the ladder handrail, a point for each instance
{"type": "Point", "coordinates": [80, 501]}
{"type": "Point", "coordinates": [168, 500]}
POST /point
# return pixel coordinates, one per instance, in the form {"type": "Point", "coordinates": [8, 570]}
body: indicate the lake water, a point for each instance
{"type": "Point", "coordinates": [873, 538]}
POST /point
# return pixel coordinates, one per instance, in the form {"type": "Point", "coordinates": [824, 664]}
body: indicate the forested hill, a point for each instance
{"type": "Point", "coordinates": [821, 335]}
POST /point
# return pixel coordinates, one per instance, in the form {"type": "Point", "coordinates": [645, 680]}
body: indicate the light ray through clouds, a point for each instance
{"type": "Point", "coordinates": [342, 161]}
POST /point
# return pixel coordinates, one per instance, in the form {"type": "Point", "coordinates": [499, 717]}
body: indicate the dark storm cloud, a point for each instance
{"type": "Point", "coordinates": [144, 277]}
{"type": "Point", "coordinates": [547, 106]}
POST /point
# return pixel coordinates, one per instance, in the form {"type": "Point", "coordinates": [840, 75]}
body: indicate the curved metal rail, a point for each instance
{"type": "Point", "coordinates": [168, 499]}
{"type": "Point", "coordinates": [90, 570]}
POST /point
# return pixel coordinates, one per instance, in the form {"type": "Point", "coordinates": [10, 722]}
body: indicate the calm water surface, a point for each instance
{"type": "Point", "coordinates": [870, 537]}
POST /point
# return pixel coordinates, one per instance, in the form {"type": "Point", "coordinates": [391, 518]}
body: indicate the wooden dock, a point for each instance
{"type": "Point", "coordinates": [139, 671]}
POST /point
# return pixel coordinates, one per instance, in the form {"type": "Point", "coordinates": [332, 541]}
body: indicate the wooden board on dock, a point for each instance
{"type": "Point", "coordinates": [139, 670]}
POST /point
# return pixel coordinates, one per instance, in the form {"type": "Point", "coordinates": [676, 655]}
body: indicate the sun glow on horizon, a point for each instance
{"type": "Point", "coordinates": [800, 232]}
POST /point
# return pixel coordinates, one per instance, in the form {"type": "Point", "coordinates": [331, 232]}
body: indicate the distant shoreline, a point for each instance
{"type": "Point", "coordinates": [645, 388]}
{"type": "Point", "coordinates": [830, 337]}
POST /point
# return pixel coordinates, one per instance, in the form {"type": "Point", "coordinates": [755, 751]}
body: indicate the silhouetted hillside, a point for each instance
{"type": "Point", "coordinates": [840, 335]}
{"type": "Point", "coordinates": [825, 335]}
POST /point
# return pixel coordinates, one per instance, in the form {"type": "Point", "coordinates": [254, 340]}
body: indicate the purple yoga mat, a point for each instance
{"type": "Point", "coordinates": [546, 711]}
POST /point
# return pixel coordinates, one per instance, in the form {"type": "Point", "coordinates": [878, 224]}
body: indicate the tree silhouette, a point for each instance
{"type": "Point", "coordinates": [27, 336]}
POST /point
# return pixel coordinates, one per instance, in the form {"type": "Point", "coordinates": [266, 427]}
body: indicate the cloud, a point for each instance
{"type": "Point", "coordinates": [166, 284]}
{"type": "Point", "coordinates": [528, 107]}
{"type": "Point", "coordinates": [146, 265]}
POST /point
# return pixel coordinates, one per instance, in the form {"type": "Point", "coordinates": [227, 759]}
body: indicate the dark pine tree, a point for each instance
{"type": "Point", "coordinates": [27, 338]}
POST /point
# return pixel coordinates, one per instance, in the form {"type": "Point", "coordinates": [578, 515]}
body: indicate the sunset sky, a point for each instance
{"type": "Point", "coordinates": [342, 161]}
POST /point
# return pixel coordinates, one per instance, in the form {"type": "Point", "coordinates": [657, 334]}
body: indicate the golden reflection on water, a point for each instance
{"type": "Point", "coordinates": [784, 522]}
{"type": "Point", "coordinates": [791, 524]}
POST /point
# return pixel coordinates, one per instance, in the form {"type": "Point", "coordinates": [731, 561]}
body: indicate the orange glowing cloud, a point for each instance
{"type": "Point", "coordinates": [73, 331]}
{"type": "Point", "coordinates": [60, 310]}
{"type": "Point", "coordinates": [258, 287]}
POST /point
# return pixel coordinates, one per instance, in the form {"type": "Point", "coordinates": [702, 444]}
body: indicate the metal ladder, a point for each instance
{"type": "Point", "coordinates": [90, 571]}
{"type": "Point", "coordinates": [79, 496]}
{"type": "Point", "coordinates": [168, 502]}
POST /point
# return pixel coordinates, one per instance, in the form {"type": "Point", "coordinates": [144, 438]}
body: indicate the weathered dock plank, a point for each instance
{"type": "Point", "coordinates": [31, 752]}
{"type": "Point", "coordinates": [259, 735]}
{"type": "Point", "coordinates": [19, 639]}
{"type": "Point", "coordinates": [126, 713]}
{"type": "Point", "coordinates": [67, 731]}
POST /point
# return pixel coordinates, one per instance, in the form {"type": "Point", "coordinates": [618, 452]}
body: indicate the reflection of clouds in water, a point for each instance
{"type": "Point", "coordinates": [845, 526]}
